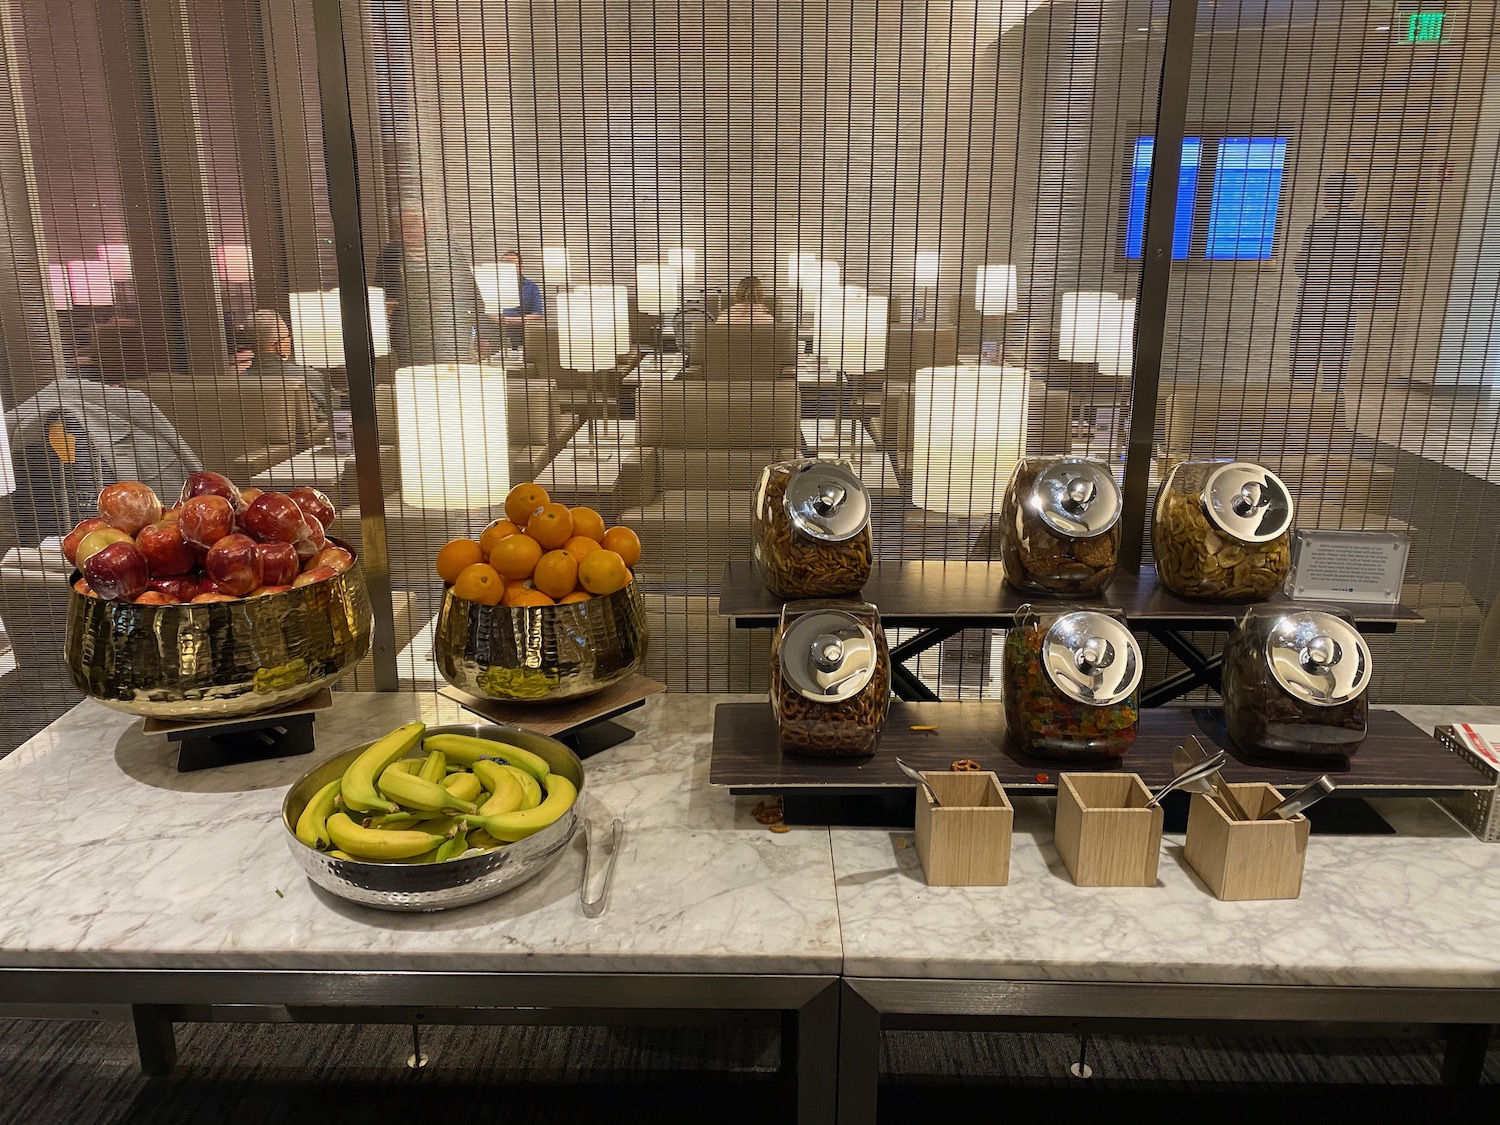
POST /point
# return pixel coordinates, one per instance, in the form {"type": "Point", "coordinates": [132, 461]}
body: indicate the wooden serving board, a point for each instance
{"type": "Point", "coordinates": [557, 719]}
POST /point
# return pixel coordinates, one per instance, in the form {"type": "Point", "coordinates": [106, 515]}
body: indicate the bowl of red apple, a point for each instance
{"type": "Point", "coordinates": [227, 603]}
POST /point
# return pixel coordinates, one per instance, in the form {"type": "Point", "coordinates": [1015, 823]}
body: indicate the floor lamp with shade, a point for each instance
{"type": "Point", "coordinates": [1099, 328]}
{"type": "Point", "coordinates": [318, 328]}
{"type": "Point", "coordinates": [849, 336]}
{"type": "Point", "coordinates": [925, 273]}
{"type": "Point", "coordinates": [968, 432]}
{"type": "Point", "coordinates": [593, 330]}
{"type": "Point", "coordinates": [555, 265]}
{"type": "Point", "coordinates": [453, 436]}
{"type": "Point", "coordinates": [658, 292]}
{"type": "Point", "coordinates": [116, 255]}
{"type": "Point", "coordinates": [995, 289]}
{"type": "Point", "coordinates": [499, 285]}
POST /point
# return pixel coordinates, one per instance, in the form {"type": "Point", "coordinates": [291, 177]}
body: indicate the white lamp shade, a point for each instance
{"type": "Point", "coordinates": [454, 440]}
{"type": "Point", "coordinates": [593, 326]}
{"type": "Point", "coordinates": [7, 466]}
{"type": "Point", "coordinates": [234, 263]}
{"type": "Point", "coordinates": [499, 286]}
{"type": "Point", "coordinates": [116, 255]}
{"type": "Point", "coordinates": [1097, 328]}
{"type": "Point", "coordinates": [89, 283]}
{"type": "Point", "coordinates": [819, 276]}
{"type": "Point", "coordinates": [850, 330]}
{"type": "Point", "coordinates": [685, 258]}
{"type": "Point", "coordinates": [555, 265]}
{"type": "Point", "coordinates": [801, 270]}
{"type": "Point", "coordinates": [968, 432]}
{"type": "Point", "coordinates": [57, 281]}
{"type": "Point", "coordinates": [318, 329]}
{"type": "Point", "coordinates": [995, 290]}
{"type": "Point", "coordinates": [926, 269]}
{"type": "Point", "coordinates": [658, 288]}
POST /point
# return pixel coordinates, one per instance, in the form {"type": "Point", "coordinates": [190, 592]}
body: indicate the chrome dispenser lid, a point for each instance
{"type": "Point", "coordinates": [828, 655]}
{"type": "Point", "coordinates": [1318, 657]}
{"type": "Point", "coordinates": [824, 499]}
{"type": "Point", "coordinates": [1076, 498]}
{"type": "Point", "coordinates": [1091, 657]}
{"type": "Point", "coordinates": [1248, 501]}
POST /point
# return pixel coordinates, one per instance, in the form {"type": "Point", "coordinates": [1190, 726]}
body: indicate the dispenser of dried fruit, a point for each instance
{"type": "Point", "coordinates": [1060, 526]}
{"type": "Point", "coordinates": [812, 529]}
{"type": "Point", "coordinates": [830, 679]}
{"type": "Point", "coordinates": [1222, 531]}
{"type": "Point", "coordinates": [1294, 683]}
{"type": "Point", "coordinates": [1072, 682]}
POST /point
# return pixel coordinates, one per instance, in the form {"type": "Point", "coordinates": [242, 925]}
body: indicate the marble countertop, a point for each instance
{"type": "Point", "coordinates": [115, 859]}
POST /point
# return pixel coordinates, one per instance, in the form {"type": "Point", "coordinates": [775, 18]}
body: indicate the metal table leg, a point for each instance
{"type": "Point", "coordinates": [815, 1049]}
{"type": "Point", "coordinates": [155, 1040]}
{"type": "Point", "coordinates": [1464, 1049]}
{"type": "Point", "coordinates": [859, 1058]}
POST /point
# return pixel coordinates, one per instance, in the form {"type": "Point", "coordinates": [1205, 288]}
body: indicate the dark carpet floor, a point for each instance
{"type": "Point", "coordinates": [55, 1073]}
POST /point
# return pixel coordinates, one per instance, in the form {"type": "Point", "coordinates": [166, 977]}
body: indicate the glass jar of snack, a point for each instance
{"type": "Point", "coordinates": [1294, 683]}
{"type": "Point", "coordinates": [812, 529]}
{"type": "Point", "coordinates": [830, 679]}
{"type": "Point", "coordinates": [1222, 531]}
{"type": "Point", "coordinates": [1060, 526]}
{"type": "Point", "coordinates": [1072, 683]}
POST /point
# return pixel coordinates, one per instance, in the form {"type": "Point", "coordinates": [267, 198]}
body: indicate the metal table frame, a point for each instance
{"type": "Point", "coordinates": [157, 998]}
{"type": "Point", "coordinates": [1463, 1017]}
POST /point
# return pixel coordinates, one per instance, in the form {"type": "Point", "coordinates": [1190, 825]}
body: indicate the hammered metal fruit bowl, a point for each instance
{"type": "Point", "coordinates": [220, 659]}
{"type": "Point", "coordinates": [540, 654]}
{"type": "Point", "coordinates": [415, 886]}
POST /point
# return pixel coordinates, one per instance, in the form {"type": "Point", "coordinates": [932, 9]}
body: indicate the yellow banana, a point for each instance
{"type": "Point", "coordinates": [506, 793]}
{"type": "Point", "coordinates": [375, 844]}
{"type": "Point", "coordinates": [464, 786]}
{"type": "Point", "coordinates": [358, 788]}
{"type": "Point", "coordinates": [452, 848]}
{"type": "Point", "coordinates": [437, 826]}
{"type": "Point", "coordinates": [425, 796]}
{"type": "Point", "coordinates": [312, 825]}
{"type": "Point", "coordinates": [336, 854]}
{"type": "Point", "coordinates": [434, 767]}
{"type": "Point", "coordinates": [518, 825]}
{"type": "Point", "coordinates": [479, 838]}
{"type": "Point", "coordinates": [393, 821]}
{"type": "Point", "coordinates": [529, 786]}
{"type": "Point", "coordinates": [407, 765]}
{"type": "Point", "coordinates": [468, 749]}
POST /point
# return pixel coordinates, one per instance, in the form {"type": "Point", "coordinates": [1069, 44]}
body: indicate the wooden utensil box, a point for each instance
{"type": "Point", "coordinates": [1247, 859]}
{"type": "Point", "coordinates": [1105, 834]}
{"type": "Point", "coordinates": [966, 841]}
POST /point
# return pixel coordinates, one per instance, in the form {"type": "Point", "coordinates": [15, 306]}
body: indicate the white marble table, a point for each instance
{"type": "Point", "coordinates": [129, 883]}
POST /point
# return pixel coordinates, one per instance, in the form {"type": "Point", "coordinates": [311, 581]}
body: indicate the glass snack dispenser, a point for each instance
{"type": "Point", "coordinates": [1072, 683]}
{"type": "Point", "coordinates": [1294, 683]}
{"type": "Point", "coordinates": [830, 679]}
{"type": "Point", "coordinates": [812, 529]}
{"type": "Point", "coordinates": [1222, 531]}
{"type": "Point", "coordinates": [1060, 526]}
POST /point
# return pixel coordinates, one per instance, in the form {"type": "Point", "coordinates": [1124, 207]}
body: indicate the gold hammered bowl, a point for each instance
{"type": "Point", "coordinates": [220, 659]}
{"type": "Point", "coordinates": [539, 654]}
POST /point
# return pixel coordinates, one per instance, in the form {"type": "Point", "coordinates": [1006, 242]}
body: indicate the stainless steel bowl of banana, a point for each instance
{"type": "Point", "coordinates": [429, 818]}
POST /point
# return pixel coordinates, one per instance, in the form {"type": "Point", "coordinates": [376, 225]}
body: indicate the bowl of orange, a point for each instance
{"type": "Point", "coordinates": [541, 605]}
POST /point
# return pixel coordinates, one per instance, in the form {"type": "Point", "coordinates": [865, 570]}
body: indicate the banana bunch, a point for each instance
{"type": "Point", "coordinates": [411, 797]}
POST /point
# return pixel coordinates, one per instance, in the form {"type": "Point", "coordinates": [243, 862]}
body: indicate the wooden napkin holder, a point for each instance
{"type": "Point", "coordinates": [1105, 834]}
{"type": "Point", "coordinates": [965, 842]}
{"type": "Point", "coordinates": [1247, 859]}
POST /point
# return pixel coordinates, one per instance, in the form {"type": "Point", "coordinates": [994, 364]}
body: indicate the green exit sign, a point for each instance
{"type": "Point", "coordinates": [1425, 27]}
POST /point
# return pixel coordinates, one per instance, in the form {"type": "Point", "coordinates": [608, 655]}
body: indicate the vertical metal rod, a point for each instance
{"type": "Point", "coordinates": [1156, 272]}
{"type": "Point", "coordinates": [417, 1060]}
{"type": "Point", "coordinates": [342, 173]}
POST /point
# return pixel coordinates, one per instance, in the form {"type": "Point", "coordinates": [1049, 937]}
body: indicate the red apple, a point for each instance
{"type": "Point", "coordinates": [335, 558]}
{"type": "Point", "coordinates": [156, 597]}
{"type": "Point", "coordinates": [181, 587]}
{"type": "Point", "coordinates": [211, 484]}
{"type": "Point", "coordinates": [278, 563]}
{"type": "Point", "coordinates": [207, 585]}
{"type": "Point", "coordinates": [204, 599]}
{"type": "Point", "coordinates": [314, 574]}
{"type": "Point", "coordinates": [165, 550]}
{"type": "Point", "coordinates": [95, 541]}
{"type": "Point", "coordinates": [314, 542]}
{"type": "Point", "coordinates": [264, 590]}
{"type": "Point", "coordinates": [172, 513]}
{"type": "Point", "coordinates": [205, 520]}
{"type": "Point", "coordinates": [275, 518]}
{"type": "Point", "coordinates": [129, 505]}
{"type": "Point", "coordinates": [314, 503]}
{"type": "Point", "coordinates": [75, 537]}
{"type": "Point", "coordinates": [248, 495]}
{"type": "Point", "coordinates": [234, 565]}
{"type": "Point", "coordinates": [118, 572]}
{"type": "Point", "coordinates": [83, 587]}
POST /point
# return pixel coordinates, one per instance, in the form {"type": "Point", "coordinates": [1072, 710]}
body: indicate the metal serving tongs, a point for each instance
{"type": "Point", "coordinates": [593, 907]}
{"type": "Point", "coordinates": [1191, 775]}
{"type": "Point", "coordinates": [1222, 793]}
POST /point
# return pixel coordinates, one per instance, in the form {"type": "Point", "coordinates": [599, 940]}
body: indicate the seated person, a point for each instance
{"type": "Point", "coordinates": [272, 347]}
{"type": "Point", "coordinates": [533, 306]}
{"type": "Point", "coordinates": [749, 304]}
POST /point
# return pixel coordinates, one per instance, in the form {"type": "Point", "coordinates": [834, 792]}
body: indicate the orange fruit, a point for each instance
{"type": "Point", "coordinates": [580, 545]}
{"type": "Point", "coordinates": [455, 555]}
{"type": "Point", "coordinates": [551, 525]}
{"type": "Point", "coordinates": [556, 574]}
{"type": "Point", "coordinates": [531, 597]}
{"type": "Point", "coordinates": [478, 582]}
{"type": "Point", "coordinates": [494, 533]}
{"type": "Point", "coordinates": [575, 596]}
{"type": "Point", "coordinates": [522, 501]}
{"type": "Point", "coordinates": [623, 542]}
{"type": "Point", "coordinates": [602, 572]}
{"type": "Point", "coordinates": [514, 590]}
{"type": "Point", "coordinates": [588, 522]}
{"type": "Point", "coordinates": [515, 556]}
